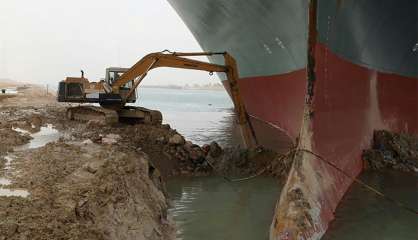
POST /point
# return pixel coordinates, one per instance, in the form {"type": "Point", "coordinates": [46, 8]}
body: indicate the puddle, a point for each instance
{"type": "Point", "coordinates": [13, 193]}
{"type": "Point", "coordinates": [4, 181]}
{"type": "Point", "coordinates": [39, 139]}
{"type": "Point", "coordinates": [46, 135]}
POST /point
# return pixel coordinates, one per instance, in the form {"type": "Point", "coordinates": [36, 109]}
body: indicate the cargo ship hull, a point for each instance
{"type": "Point", "coordinates": [365, 70]}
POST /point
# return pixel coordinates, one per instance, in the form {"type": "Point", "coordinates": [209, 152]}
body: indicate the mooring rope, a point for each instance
{"type": "Point", "coordinates": [356, 180]}
{"type": "Point", "coordinates": [281, 157]}
{"type": "Point", "coordinates": [363, 184]}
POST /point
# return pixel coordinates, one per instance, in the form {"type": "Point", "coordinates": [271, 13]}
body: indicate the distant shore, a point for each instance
{"type": "Point", "coordinates": [212, 87]}
{"type": "Point", "coordinates": [24, 94]}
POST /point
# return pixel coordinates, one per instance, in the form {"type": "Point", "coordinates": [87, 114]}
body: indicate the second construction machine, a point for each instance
{"type": "Point", "coordinates": [120, 84]}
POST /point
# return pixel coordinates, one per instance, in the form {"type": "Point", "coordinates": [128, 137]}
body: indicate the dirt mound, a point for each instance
{"type": "Point", "coordinates": [79, 189]}
{"type": "Point", "coordinates": [397, 151]}
{"type": "Point", "coordinates": [84, 191]}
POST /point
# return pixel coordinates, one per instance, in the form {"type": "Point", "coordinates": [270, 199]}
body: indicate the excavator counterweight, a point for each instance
{"type": "Point", "coordinates": [120, 84]}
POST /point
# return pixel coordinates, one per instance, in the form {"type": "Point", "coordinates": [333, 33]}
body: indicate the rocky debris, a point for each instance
{"type": "Point", "coordinates": [236, 162]}
{"type": "Point", "coordinates": [176, 139]}
{"type": "Point", "coordinates": [171, 154]}
{"type": "Point", "coordinates": [397, 151]}
{"type": "Point", "coordinates": [110, 138]}
{"type": "Point", "coordinates": [31, 124]}
{"type": "Point", "coordinates": [214, 150]}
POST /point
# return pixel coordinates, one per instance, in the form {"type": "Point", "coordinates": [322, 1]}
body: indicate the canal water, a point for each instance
{"type": "Point", "coordinates": [208, 208]}
{"type": "Point", "coordinates": [200, 115]}
{"type": "Point", "coordinates": [211, 208]}
{"type": "Point", "coordinates": [364, 215]}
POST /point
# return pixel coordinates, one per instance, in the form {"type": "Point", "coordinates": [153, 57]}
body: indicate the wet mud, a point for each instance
{"type": "Point", "coordinates": [85, 185]}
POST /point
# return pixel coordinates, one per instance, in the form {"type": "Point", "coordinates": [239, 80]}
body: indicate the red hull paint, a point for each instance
{"type": "Point", "coordinates": [349, 102]}
{"type": "Point", "coordinates": [276, 99]}
{"type": "Point", "coordinates": [275, 104]}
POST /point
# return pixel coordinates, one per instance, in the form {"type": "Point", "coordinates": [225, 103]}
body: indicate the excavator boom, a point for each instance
{"type": "Point", "coordinates": [172, 60]}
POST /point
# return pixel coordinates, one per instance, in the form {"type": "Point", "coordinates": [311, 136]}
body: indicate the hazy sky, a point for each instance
{"type": "Point", "coordinates": [44, 41]}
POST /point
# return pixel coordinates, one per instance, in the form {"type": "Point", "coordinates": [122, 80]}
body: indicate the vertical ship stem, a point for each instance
{"type": "Point", "coordinates": [312, 37]}
{"type": "Point", "coordinates": [297, 215]}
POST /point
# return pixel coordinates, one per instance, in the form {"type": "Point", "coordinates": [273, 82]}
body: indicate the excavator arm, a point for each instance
{"type": "Point", "coordinates": [172, 60]}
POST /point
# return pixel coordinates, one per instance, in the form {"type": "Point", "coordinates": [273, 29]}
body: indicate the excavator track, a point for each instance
{"type": "Point", "coordinates": [140, 115]}
{"type": "Point", "coordinates": [109, 116]}
{"type": "Point", "coordinates": [88, 113]}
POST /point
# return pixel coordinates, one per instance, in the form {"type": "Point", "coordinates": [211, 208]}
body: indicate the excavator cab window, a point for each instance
{"type": "Point", "coordinates": [113, 74]}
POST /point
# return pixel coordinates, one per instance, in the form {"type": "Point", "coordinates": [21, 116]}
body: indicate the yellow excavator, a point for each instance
{"type": "Point", "coordinates": [120, 84]}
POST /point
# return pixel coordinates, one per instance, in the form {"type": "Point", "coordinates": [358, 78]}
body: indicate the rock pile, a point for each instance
{"type": "Point", "coordinates": [238, 163]}
{"type": "Point", "coordinates": [397, 151]}
{"type": "Point", "coordinates": [191, 158]}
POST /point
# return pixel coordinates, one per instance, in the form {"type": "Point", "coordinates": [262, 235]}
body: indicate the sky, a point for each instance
{"type": "Point", "coordinates": [45, 41]}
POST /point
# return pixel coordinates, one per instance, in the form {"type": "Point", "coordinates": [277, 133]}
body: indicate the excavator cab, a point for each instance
{"type": "Point", "coordinates": [112, 75]}
{"type": "Point", "coordinates": [79, 89]}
